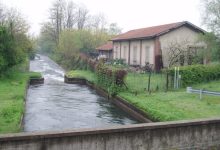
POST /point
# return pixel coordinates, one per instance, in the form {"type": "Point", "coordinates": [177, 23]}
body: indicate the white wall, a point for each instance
{"type": "Point", "coordinates": [150, 45]}
{"type": "Point", "coordinates": [125, 51]}
{"type": "Point", "coordinates": [116, 50]}
{"type": "Point", "coordinates": [181, 35]}
{"type": "Point", "coordinates": [137, 45]}
{"type": "Point", "coordinates": [140, 56]}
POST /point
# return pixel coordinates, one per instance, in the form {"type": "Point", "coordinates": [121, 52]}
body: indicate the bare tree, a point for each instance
{"type": "Point", "coordinates": [70, 15]}
{"type": "Point", "coordinates": [82, 16]}
{"type": "Point", "coordinates": [114, 29]}
{"type": "Point", "coordinates": [211, 15]}
{"type": "Point", "coordinates": [16, 22]}
{"type": "Point", "coordinates": [98, 22]}
{"type": "Point", "coordinates": [176, 52]}
{"type": "Point", "coordinates": [57, 13]}
{"type": "Point", "coordinates": [2, 14]}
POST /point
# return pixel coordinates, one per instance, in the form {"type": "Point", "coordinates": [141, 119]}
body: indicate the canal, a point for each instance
{"type": "Point", "coordinates": [56, 105]}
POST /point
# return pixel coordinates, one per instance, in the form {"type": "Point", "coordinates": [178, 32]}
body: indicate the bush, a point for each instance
{"type": "Point", "coordinates": [110, 78]}
{"type": "Point", "coordinates": [197, 73]}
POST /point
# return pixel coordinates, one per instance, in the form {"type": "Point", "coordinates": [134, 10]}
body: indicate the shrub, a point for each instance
{"type": "Point", "coordinates": [197, 73]}
{"type": "Point", "coordinates": [110, 78]}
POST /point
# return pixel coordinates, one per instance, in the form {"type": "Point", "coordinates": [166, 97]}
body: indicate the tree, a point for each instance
{"type": "Point", "coordinates": [82, 16]}
{"type": "Point", "coordinates": [47, 41]}
{"type": "Point", "coordinates": [211, 15]}
{"type": "Point", "coordinates": [211, 18]}
{"type": "Point", "coordinates": [114, 29]}
{"type": "Point", "coordinates": [57, 13]}
{"type": "Point", "coordinates": [15, 44]}
{"type": "Point", "coordinates": [70, 15]}
{"type": "Point", "coordinates": [70, 44]}
{"type": "Point", "coordinates": [2, 14]}
{"type": "Point", "coordinates": [98, 22]}
{"type": "Point", "coordinates": [176, 53]}
{"type": "Point", "coordinates": [212, 48]}
{"type": "Point", "coordinates": [5, 48]}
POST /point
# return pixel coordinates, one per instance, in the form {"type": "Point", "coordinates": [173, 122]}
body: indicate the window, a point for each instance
{"type": "Point", "coordinates": [182, 60]}
{"type": "Point", "coordinates": [147, 54]}
{"type": "Point", "coordinates": [125, 52]}
{"type": "Point", "coordinates": [135, 54]}
{"type": "Point", "coordinates": [116, 52]}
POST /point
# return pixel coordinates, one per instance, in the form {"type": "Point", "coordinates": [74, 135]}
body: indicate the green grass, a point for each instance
{"type": "Point", "coordinates": [177, 105]}
{"type": "Point", "coordinates": [90, 76]}
{"type": "Point", "coordinates": [12, 94]}
{"type": "Point", "coordinates": [166, 106]}
{"type": "Point", "coordinates": [139, 82]}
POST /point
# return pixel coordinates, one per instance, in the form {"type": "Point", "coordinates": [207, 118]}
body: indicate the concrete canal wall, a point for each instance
{"type": "Point", "coordinates": [122, 104]}
{"type": "Point", "coordinates": [181, 135]}
{"type": "Point", "coordinates": [32, 81]}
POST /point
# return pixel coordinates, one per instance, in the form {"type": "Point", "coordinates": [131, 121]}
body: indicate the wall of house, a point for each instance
{"type": "Point", "coordinates": [181, 35]}
{"type": "Point", "coordinates": [147, 45]}
{"type": "Point", "coordinates": [116, 50]}
{"type": "Point", "coordinates": [135, 52]}
{"type": "Point", "coordinates": [141, 51]}
{"type": "Point", "coordinates": [184, 135]}
{"type": "Point", "coordinates": [107, 53]}
{"type": "Point", "coordinates": [125, 51]}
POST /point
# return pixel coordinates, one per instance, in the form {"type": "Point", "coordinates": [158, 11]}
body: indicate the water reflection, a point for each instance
{"type": "Point", "coordinates": [56, 105]}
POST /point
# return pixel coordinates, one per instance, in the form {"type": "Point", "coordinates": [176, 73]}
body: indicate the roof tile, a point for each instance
{"type": "Point", "coordinates": [107, 46]}
{"type": "Point", "coordinates": [150, 32]}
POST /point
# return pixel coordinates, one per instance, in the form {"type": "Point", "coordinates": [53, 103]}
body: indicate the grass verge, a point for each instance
{"type": "Point", "coordinates": [12, 95]}
{"type": "Point", "coordinates": [90, 76]}
{"type": "Point", "coordinates": [166, 106]}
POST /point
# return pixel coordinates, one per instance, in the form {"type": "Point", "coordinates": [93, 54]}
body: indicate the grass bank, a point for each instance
{"type": "Point", "coordinates": [12, 94]}
{"type": "Point", "coordinates": [165, 106]}
{"type": "Point", "coordinates": [90, 76]}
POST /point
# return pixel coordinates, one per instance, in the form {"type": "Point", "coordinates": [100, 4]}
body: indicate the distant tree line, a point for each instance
{"type": "Point", "coordinates": [211, 19]}
{"type": "Point", "coordinates": [15, 44]}
{"type": "Point", "coordinates": [71, 29]}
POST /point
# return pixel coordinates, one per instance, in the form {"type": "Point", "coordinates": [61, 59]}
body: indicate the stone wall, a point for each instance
{"type": "Point", "coordinates": [198, 134]}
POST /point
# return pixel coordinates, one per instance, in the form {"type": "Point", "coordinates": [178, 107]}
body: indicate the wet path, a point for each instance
{"type": "Point", "coordinates": [57, 106]}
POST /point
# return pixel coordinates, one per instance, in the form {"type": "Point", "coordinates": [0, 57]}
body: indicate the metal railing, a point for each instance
{"type": "Point", "coordinates": [201, 91]}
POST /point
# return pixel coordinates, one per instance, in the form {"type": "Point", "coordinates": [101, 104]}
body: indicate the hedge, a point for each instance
{"type": "Point", "coordinates": [110, 78]}
{"type": "Point", "coordinates": [197, 73]}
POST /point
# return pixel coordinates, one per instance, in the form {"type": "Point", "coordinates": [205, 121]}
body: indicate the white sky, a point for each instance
{"type": "Point", "coordinates": [129, 14]}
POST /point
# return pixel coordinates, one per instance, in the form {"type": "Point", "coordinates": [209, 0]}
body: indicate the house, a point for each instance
{"type": "Point", "coordinates": [106, 50]}
{"type": "Point", "coordinates": [151, 45]}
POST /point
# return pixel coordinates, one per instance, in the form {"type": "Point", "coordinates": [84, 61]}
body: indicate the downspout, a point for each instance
{"type": "Point", "coordinates": [120, 49]}
{"type": "Point", "coordinates": [129, 52]}
{"type": "Point", "coordinates": [140, 52]}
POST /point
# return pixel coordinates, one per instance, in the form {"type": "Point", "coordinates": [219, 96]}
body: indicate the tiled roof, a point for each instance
{"type": "Point", "coordinates": [108, 46]}
{"type": "Point", "coordinates": [154, 31]}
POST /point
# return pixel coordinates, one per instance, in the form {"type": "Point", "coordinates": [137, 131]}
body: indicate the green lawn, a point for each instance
{"type": "Point", "coordinates": [90, 76]}
{"type": "Point", "coordinates": [139, 82]}
{"type": "Point", "coordinates": [167, 106]}
{"type": "Point", "coordinates": [12, 94]}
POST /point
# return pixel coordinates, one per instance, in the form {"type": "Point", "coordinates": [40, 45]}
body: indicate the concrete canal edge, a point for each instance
{"type": "Point", "coordinates": [118, 101]}
{"type": "Point", "coordinates": [193, 134]}
{"type": "Point", "coordinates": [32, 81]}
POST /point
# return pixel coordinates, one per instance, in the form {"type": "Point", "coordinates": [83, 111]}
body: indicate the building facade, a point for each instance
{"type": "Point", "coordinates": [106, 50]}
{"type": "Point", "coordinates": [151, 45]}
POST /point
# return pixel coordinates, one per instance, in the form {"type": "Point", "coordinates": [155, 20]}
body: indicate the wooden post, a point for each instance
{"type": "Point", "coordinates": [149, 78]}
{"type": "Point", "coordinates": [167, 83]}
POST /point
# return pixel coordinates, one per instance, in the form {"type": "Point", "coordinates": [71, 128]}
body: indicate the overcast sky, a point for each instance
{"type": "Point", "coordinates": [129, 14]}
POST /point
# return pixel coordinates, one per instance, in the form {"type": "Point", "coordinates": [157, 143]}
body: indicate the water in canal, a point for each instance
{"type": "Point", "coordinates": [55, 105]}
